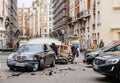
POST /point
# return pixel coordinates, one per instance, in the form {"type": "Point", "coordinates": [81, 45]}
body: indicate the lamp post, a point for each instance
{"type": "Point", "coordinates": [63, 31]}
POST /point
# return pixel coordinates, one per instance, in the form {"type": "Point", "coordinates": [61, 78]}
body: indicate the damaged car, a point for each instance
{"type": "Point", "coordinates": [89, 58]}
{"type": "Point", "coordinates": [31, 57]}
{"type": "Point", "coordinates": [108, 64]}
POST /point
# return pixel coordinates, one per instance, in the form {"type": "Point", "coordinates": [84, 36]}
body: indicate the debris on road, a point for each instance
{"type": "Point", "coordinates": [16, 73]}
{"type": "Point", "coordinates": [71, 69]}
{"type": "Point", "coordinates": [33, 73]}
{"type": "Point", "coordinates": [83, 69]}
{"type": "Point", "coordinates": [51, 73]}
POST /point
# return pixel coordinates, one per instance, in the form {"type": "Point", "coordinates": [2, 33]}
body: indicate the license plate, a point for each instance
{"type": "Point", "coordinates": [95, 67]}
{"type": "Point", "coordinates": [19, 64]}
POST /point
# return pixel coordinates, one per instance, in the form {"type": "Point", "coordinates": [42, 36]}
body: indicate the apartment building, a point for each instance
{"type": "Point", "coordinates": [93, 20]}
{"type": "Point", "coordinates": [13, 30]}
{"type": "Point", "coordinates": [60, 17]}
{"type": "Point", "coordinates": [40, 18]}
{"type": "Point", "coordinates": [23, 22]}
{"type": "Point", "coordinates": [8, 23]}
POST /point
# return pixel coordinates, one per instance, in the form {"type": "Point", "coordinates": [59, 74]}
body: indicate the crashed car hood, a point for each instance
{"type": "Point", "coordinates": [109, 55]}
{"type": "Point", "coordinates": [92, 53]}
{"type": "Point", "coordinates": [25, 53]}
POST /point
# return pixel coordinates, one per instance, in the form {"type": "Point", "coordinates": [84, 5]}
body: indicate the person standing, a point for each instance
{"type": "Point", "coordinates": [101, 44]}
{"type": "Point", "coordinates": [94, 45]}
{"type": "Point", "coordinates": [54, 48]}
{"type": "Point", "coordinates": [75, 53]}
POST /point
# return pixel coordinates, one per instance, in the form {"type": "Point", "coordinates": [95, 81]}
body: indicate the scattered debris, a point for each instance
{"type": "Point", "coordinates": [33, 73]}
{"type": "Point", "coordinates": [16, 73]}
{"type": "Point", "coordinates": [83, 69]}
{"type": "Point", "coordinates": [67, 69]}
{"type": "Point", "coordinates": [55, 72]}
{"type": "Point", "coordinates": [51, 73]}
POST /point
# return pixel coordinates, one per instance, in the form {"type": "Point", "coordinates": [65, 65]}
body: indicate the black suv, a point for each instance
{"type": "Point", "coordinates": [88, 58]}
{"type": "Point", "coordinates": [108, 64]}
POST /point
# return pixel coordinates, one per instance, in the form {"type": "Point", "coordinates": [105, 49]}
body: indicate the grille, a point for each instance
{"type": "Point", "coordinates": [99, 62]}
{"type": "Point", "coordinates": [20, 58]}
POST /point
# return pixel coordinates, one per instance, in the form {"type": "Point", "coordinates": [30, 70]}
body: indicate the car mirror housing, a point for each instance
{"type": "Point", "coordinates": [46, 51]}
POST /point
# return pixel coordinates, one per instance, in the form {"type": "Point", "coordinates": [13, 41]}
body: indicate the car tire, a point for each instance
{"type": "Point", "coordinates": [119, 75]}
{"type": "Point", "coordinates": [52, 63]}
{"type": "Point", "coordinates": [36, 65]}
{"type": "Point", "coordinates": [11, 68]}
{"type": "Point", "coordinates": [41, 65]}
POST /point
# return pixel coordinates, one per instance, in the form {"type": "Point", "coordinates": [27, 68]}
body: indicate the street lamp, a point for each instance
{"type": "Point", "coordinates": [63, 31]}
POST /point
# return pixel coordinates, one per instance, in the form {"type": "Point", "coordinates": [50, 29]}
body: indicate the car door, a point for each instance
{"type": "Point", "coordinates": [48, 55]}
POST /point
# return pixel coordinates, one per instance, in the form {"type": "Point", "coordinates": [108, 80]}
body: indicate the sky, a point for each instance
{"type": "Point", "coordinates": [27, 3]}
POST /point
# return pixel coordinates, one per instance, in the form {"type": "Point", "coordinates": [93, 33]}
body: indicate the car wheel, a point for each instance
{"type": "Point", "coordinates": [11, 68]}
{"type": "Point", "coordinates": [36, 65]}
{"type": "Point", "coordinates": [41, 65]}
{"type": "Point", "coordinates": [119, 75]}
{"type": "Point", "coordinates": [52, 64]}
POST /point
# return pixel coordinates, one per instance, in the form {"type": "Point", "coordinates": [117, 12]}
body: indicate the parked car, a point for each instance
{"type": "Point", "coordinates": [108, 64]}
{"type": "Point", "coordinates": [31, 57]}
{"type": "Point", "coordinates": [92, 50]}
{"type": "Point", "coordinates": [88, 58]}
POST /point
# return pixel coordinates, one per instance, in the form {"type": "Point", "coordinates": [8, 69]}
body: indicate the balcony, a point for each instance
{"type": "Point", "coordinates": [84, 13]}
{"type": "Point", "coordinates": [79, 15]}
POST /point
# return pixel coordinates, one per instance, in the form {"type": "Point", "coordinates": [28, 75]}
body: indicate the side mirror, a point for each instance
{"type": "Point", "coordinates": [46, 51]}
{"type": "Point", "coordinates": [14, 50]}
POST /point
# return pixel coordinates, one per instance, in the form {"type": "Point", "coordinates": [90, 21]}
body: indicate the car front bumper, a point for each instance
{"type": "Point", "coordinates": [89, 60]}
{"type": "Point", "coordinates": [21, 65]}
{"type": "Point", "coordinates": [110, 70]}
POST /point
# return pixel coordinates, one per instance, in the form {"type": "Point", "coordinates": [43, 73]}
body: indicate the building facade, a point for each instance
{"type": "Point", "coordinates": [8, 23]}
{"type": "Point", "coordinates": [23, 22]}
{"type": "Point", "coordinates": [60, 17]}
{"type": "Point", "coordinates": [40, 18]}
{"type": "Point", "coordinates": [93, 20]}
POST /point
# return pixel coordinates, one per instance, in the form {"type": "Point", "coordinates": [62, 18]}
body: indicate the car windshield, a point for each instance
{"type": "Point", "coordinates": [31, 48]}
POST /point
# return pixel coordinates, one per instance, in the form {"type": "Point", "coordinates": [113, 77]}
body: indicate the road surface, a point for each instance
{"type": "Point", "coordinates": [69, 73]}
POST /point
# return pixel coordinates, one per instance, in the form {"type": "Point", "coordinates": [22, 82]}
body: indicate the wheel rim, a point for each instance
{"type": "Point", "coordinates": [35, 67]}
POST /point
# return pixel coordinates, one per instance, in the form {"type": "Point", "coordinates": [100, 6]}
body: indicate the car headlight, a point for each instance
{"type": "Point", "coordinates": [93, 54]}
{"type": "Point", "coordinates": [112, 61]}
{"type": "Point", "coordinates": [11, 57]}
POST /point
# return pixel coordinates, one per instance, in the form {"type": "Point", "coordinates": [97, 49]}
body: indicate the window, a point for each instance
{"type": "Point", "coordinates": [50, 30]}
{"type": "Point", "coordinates": [49, 12]}
{"type": "Point", "coordinates": [45, 30]}
{"type": "Point", "coordinates": [49, 24]}
{"type": "Point", "coordinates": [49, 18]}
{"type": "Point", "coordinates": [45, 24]}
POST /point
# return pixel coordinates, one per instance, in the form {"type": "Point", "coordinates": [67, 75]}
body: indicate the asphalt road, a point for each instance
{"type": "Point", "coordinates": [69, 73]}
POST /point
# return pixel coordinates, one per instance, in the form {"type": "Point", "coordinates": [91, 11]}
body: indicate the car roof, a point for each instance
{"type": "Point", "coordinates": [48, 41]}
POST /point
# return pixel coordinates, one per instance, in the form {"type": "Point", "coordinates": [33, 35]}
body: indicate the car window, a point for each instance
{"type": "Point", "coordinates": [30, 48]}
{"type": "Point", "coordinates": [117, 48]}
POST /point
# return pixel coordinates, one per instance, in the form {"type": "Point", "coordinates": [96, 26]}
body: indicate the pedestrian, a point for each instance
{"type": "Point", "coordinates": [18, 45]}
{"type": "Point", "coordinates": [94, 45]}
{"type": "Point", "coordinates": [54, 48]}
{"type": "Point", "coordinates": [101, 44]}
{"type": "Point", "coordinates": [75, 53]}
